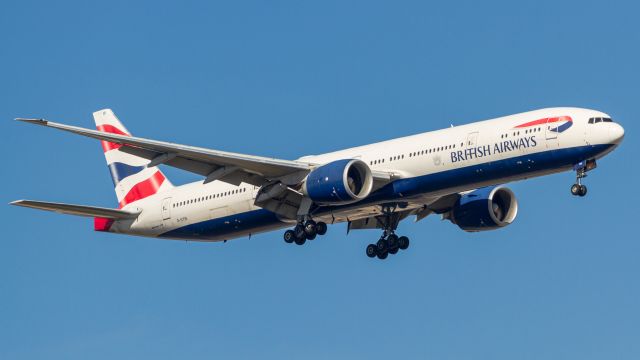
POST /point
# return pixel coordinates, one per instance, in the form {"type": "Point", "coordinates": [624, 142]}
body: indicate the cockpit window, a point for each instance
{"type": "Point", "coordinates": [599, 119]}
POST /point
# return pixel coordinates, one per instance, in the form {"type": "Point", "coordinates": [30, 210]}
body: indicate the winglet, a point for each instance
{"type": "Point", "coordinates": [33, 121]}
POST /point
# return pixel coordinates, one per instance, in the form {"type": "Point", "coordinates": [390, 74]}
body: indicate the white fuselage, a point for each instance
{"type": "Point", "coordinates": [424, 167]}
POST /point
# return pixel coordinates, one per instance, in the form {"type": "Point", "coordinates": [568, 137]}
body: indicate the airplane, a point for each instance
{"type": "Point", "coordinates": [457, 173]}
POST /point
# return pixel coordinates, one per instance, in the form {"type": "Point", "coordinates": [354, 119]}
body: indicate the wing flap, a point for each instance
{"type": "Point", "coordinates": [78, 210]}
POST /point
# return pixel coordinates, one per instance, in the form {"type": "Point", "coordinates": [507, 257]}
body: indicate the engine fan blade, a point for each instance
{"type": "Point", "coordinates": [352, 184]}
{"type": "Point", "coordinates": [498, 211]}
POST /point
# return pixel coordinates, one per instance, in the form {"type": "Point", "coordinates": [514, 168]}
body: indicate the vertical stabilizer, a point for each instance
{"type": "Point", "coordinates": [132, 179]}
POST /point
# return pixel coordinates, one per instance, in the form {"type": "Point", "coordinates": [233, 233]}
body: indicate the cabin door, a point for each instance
{"type": "Point", "coordinates": [166, 211]}
{"type": "Point", "coordinates": [472, 140]}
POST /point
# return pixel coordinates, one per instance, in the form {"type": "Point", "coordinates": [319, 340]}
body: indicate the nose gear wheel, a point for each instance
{"type": "Point", "coordinates": [579, 189]}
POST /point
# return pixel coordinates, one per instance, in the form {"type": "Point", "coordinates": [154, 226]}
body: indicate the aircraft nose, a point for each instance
{"type": "Point", "coordinates": [616, 133]}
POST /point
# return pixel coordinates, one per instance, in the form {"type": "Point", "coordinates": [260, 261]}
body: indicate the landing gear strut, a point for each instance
{"type": "Point", "coordinates": [389, 242]}
{"type": "Point", "coordinates": [303, 231]}
{"type": "Point", "coordinates": [578, 189]}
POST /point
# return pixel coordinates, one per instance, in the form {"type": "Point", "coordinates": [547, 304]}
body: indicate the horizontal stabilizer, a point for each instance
{"type": "Point", "coordinates": [79, 210]}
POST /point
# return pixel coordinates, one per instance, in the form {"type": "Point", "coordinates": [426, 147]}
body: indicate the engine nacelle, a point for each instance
{"type": "Point", "coordinates": [484, 209]}
{"type": "Point", "coordinates": [339, 182]}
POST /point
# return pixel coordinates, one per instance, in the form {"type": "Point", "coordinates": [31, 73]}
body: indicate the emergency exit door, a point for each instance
{"type": "Point", "coordinates": [166, 210]}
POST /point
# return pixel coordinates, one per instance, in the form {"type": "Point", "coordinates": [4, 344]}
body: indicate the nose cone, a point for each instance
{"type": "Point", "coordinates": [616, 133]}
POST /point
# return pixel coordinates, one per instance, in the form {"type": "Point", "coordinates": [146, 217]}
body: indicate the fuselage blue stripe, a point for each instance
{"type": "Point", "coordinates": [228, 227]}
{"type": "Point", "coordinates": [485, 174]}
{"type": "Point", "coordinates": [120, 171]}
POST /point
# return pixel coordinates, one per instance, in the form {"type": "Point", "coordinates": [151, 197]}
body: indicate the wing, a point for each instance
{"type": "Point", "coordinates": [79, 210]}
{"type": "Point", "coordinates": [213, 164]}
{"type": "Point", "coordinates": [230, 167]}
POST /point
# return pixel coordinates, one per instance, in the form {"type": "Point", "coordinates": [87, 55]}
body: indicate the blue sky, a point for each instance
{"type": "Point", "coordinates": [285, 79]}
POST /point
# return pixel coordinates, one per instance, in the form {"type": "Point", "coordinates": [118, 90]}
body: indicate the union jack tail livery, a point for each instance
{"type": "Point", "coordinates": [132, 178]}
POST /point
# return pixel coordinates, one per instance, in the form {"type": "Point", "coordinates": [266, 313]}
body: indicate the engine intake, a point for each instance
{"type": "Point", "coordinates": [484, 209]}
{"type": "Point", "coordinates": [339, 182]}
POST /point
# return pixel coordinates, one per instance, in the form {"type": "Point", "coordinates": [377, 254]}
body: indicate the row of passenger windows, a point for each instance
{"type": "Point", "coordinates": [599, 119]}
{"type": "Point", "coordinates": [517, 133]}
{"type": "Point", "coordinates": [209, 197]}
{"type": "Point", "coordinates": [449, 147]}
{"type": "Point", "coordinates": [432, 150]}
{"type": "Point", "coordinates": [414, 154]}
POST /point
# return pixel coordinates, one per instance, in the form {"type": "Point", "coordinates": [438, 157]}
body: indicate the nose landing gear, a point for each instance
{"type": "Point", "coordinates": [578, 189]}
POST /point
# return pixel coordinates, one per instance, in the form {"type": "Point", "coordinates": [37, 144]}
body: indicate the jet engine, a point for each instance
{"type": "Point", "coordinates": [339, 182]}
{"type": "Point", "coordinates": [484, 209]}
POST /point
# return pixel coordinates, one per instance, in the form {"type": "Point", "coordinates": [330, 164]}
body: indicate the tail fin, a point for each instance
{"type": "Point", "coordinates": [132, 179]}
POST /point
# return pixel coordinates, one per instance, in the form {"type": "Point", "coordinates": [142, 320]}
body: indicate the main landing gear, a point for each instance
{"type": "Point", "coordinates": [389, 243]}
{"type": "Point", "coordinates": [305, 231]}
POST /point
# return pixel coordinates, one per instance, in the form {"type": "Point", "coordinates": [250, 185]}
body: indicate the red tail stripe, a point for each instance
{"type": "Point", "coordinates": [106, 145]}
{"type": "Point", "coordinates": [102, 224]}
{"type": "Point", "coordinates": [143, 189]}
{"type": "Point", "coordinates": [545, 120]}
{"type": "Point", "coordinates": [111, 129]}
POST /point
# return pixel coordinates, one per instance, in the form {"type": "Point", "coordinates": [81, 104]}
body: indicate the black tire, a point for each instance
{"type": "Point", "coordinates": [392, 241]}
{"type": "Point", "coordinates": [311, 237]}
{"type": "Point", "coordinates": [583, 190]}
{"type": "Point", "coordinates": [381, 245]}
{"type": "Point", "coordinates": [289, 236]}
{"type": "Point", "coordinates": [299, 232]}
{"type": "Point", "coordinates": [382, 255]}
{"type": "Point", "coordinates": [403, 242]}
{"type": "Point", "coordinates": [300, 241]}
{"type": "Point", "coordinates": [321, 228]}
{"type": "Point", "coordinates": [393, 251]}
{"type": "Point", "coordinates": [372, 250]}
{"type": "Point", "coordinates": [310, 228]}
{"type": "Point", "coordinates": [575, 189]}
